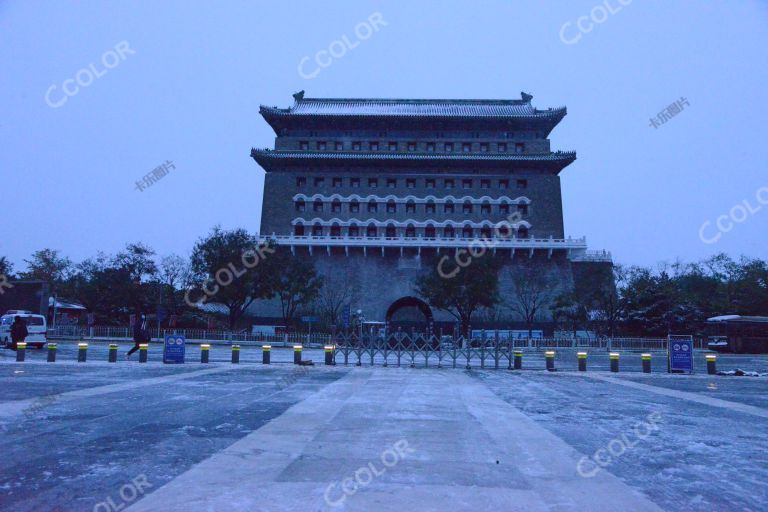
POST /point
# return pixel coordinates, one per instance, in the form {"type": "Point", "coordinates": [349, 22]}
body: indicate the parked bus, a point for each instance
{"type": "Point", "coordinates": [736, 333]}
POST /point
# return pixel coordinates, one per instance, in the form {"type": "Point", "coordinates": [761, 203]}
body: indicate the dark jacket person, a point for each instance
{"type": "Point", "coordinates": [18, 331]}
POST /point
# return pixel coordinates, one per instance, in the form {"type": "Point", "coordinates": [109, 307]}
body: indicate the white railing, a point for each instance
{"type": "Point", "coordinates": [421, 241]}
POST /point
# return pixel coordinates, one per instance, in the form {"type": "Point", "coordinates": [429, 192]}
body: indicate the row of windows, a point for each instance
{"type": "Point", "coordinates": [448, 183]}
{"type": "Point", "coordinates": [438, 135]}
{"type": "Point", "coordinates": [372, 231]}
{"type": "Point", "coordinates": [430, 147]}
{"type": "Point", "coordinates": [392, 207]}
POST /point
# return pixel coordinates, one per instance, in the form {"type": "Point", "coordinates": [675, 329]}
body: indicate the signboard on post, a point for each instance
{"type": "Point", "coordinates": [173, 352]}
{"type": "Point", "coordinates": [680, 354]}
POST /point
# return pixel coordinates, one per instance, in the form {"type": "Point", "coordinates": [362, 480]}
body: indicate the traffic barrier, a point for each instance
{"type": "Point", "coordinates": [297, 354]}
{"type": "Point", "coordinates": [21, 351]}
{"type": "Point", "coordinates": [265, 353]}
{"type": "Point", "coordinates": [112, 357]}
{"type": "Point", "coordinates": [204, 352]}
{"type": "Point", "coordinates": [711, 364]}
{"type": "Point", "coordinates": [549, 356]}
{"type": "Point", "coordinates": [518, 359]}
{"type": "Point", "coordinates": [52, 352]}
{"type": "Point", "coordinates": [614, 362]}
{"type": "Point", "coordinates": [329, 355]}
{"type": "Point", "coordinates": [235, 354]}
{"type": "Point", "coordinates": [82, 352]}
{"type": "Point", "coordinates": [646, 362]}
{"type": "Point", "coordinates": [582, 356]}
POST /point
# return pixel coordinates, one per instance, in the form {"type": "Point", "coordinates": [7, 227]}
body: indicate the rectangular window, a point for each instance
{"type": "Point", "coordinates": [504, 208]}
{"type": "Point", "coordinates": [485, 184]}
{"type": "Point", "coordinates": [317, 206]}
{"type": "Point", "coordinates": [448, 184]}
{"type": "Point", "coordinates": [519, 147]}
{"type": "Point", "coordinates": [321, 145]}
{"type": "Point", "coordinates": [504, 184]}
{"type": "Point", "coordinates": [393, 146]}
{"type": "Point", "coordinates": [319, 182]}
{"type": "Point", "coordinates": [484, 147]}
{"type": "Point", "coordinates": [300, 205]}
{"type": "Point", "coordinates": [355, 146]}
{"type": "Point", "coordinates": [391, 207]}
{"type": "Point", "coordinates": [502, 147]}
{"type": "Point", "coordinates": [411, 146]}
{"type": "Point", "coordinates": [522, 209]}
{"type": "Point", "coordinates": [430, 183]}
{"type": "Point", "coordinates": [372, 207]}
{"type": "Point", "coordinates": [448, 208]}
{"type": "Point", "coordinates": [304, 145]}
{"type": "Point", "coordinates": [336, 182]}
{"type": "Point", "coordinates": [354, 207]}
{"type": "Point", "coordinates": [466, 147]}
{"type": "Point", "coordinates": [391, 182]}
{"type": "Point", "coordinates": [354, 182]}
{"type": "Point", "coordinates": [301, 181]}
{"type": "Point", "coordinates": [521, 184]}
{"type": "Point", "coordinates": [485, 209]}
{"type": "Point", "coordinates": [430, 208]}
{"type": "Point", "coordinates": [467, 208]}
{"type": "Point", "coordinates": [410, 208]}
{"type": "Point", "coordinates": [374, 146]}
{"type": "Point", "coordinates": [466, 183]}
{"type": "Point", "coordinates": [410, 183]}
{"type": "Point", "coordinates": [339, 146]}
{"type": "Point", "coordinates": [431, 147]}
{"type": "Point", "coordinates": [373, 182]}
{"type": "Point", "coordinates": [336, 207]}
{"type": "Point", "coordinates": [449, 147]}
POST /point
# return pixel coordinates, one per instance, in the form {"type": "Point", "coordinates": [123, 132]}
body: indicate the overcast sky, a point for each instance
{"type": "Point", "coordinates": [186, 84]}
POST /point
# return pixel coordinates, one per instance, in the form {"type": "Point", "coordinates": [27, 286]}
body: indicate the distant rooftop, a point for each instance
{"type": "Point", "coordinates": [412, 108]}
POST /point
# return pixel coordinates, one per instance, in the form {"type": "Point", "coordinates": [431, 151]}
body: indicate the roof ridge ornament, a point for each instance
{"type": "Point", "coordinates": [299, 95]}
{"type": "Point", "coordinates": [526, 97]}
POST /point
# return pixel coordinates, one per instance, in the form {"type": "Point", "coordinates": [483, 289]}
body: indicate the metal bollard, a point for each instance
{"type": "Point", "coordinates": [518, 359]}
{"type": "Point", "coordinates": [646, 362]}
{"type": "Point", "coordinates": [614, 362]}
{"type": "Point", "coordinates": [297, 354]}
{"type": "Point", "coordinates": [329, 360]}
{"type": "Point", "coordinates": [52, 352]}
{"type": "Point", "coordinates": [143, 352]}
{"type": "Point", "coordinates": [549, 355]}
{"type": "Point", "coordinates": [711, 364]}
{"type": "Point", "coordinates": [112, 358]}
{"type": "Point", "coordinates": [204, 349]}
{"type": "Point", "coordinates": [235, 354]}
{"type": "Point", "coordinates": [265, 353]}
{"type": "Point", "coordinates": [21, 351]}
{"type": "Point", "coordinates": [582, 361]}
{"type": "Point", "coordinates": [82, 352]}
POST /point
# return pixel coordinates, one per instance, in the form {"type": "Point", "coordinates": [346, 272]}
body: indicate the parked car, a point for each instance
{"type": "Point", "coordinates": [37, 326]}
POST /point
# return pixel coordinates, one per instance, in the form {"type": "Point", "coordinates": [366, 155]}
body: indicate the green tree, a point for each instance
{"type": "Point", "coordinates": [461, 291]}
{"type": "Point", "coordinates": [533, 291]}
{"type": "Point", "coordinates": [6, 267]}
{"type": "Point", "coordinates": [294, 281]}
{"type": "Point", "coordinates": [49, 266]}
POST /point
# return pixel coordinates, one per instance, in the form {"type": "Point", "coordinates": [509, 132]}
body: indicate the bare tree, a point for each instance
{"type": "Point", "coordinates": [337, 291]}
{"type": "Point", "coordinates": [532, 292]}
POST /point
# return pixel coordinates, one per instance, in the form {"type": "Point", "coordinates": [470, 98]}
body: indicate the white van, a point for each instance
{"type": "Point", "coordinates": [37, 326]}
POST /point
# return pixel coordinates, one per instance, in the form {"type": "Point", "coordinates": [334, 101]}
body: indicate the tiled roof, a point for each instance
{"type": "Point", "coordinates": [270, 154]}
{"type": "Point", "coordinates": [412, 108]}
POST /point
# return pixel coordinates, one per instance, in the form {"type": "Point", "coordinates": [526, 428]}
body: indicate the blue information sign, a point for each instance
{"type": "Point", "coordinates": [173, 353]}
{"type": "Point", "coordinates": [681, 356]}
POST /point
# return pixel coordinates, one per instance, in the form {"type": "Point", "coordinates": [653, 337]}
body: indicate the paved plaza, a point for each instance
{"type": "Point", "coordinates": [145, 437]}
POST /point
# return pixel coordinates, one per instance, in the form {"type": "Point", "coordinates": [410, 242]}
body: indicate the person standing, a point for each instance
{"type": "Point", "coordinates": [140, 335]}
{"type": "Point", "coordinates": [19, 332]}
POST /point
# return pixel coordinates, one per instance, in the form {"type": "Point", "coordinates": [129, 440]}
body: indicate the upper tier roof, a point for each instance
{"type": "Point", "coordinates": [445, 109]}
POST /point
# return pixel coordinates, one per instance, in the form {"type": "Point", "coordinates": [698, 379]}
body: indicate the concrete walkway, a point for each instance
{"type": "Point", "coordinates": [387, 439]}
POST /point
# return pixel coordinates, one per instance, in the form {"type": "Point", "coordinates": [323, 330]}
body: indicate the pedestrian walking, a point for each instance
{"type": "Point", "coordinates": [19, 332]}
{"type": "Point", "coordinates": [140, 335]}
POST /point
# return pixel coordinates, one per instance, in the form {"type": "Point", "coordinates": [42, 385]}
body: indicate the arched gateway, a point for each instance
{"type": "Point", "coordinates": [409, 312]}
